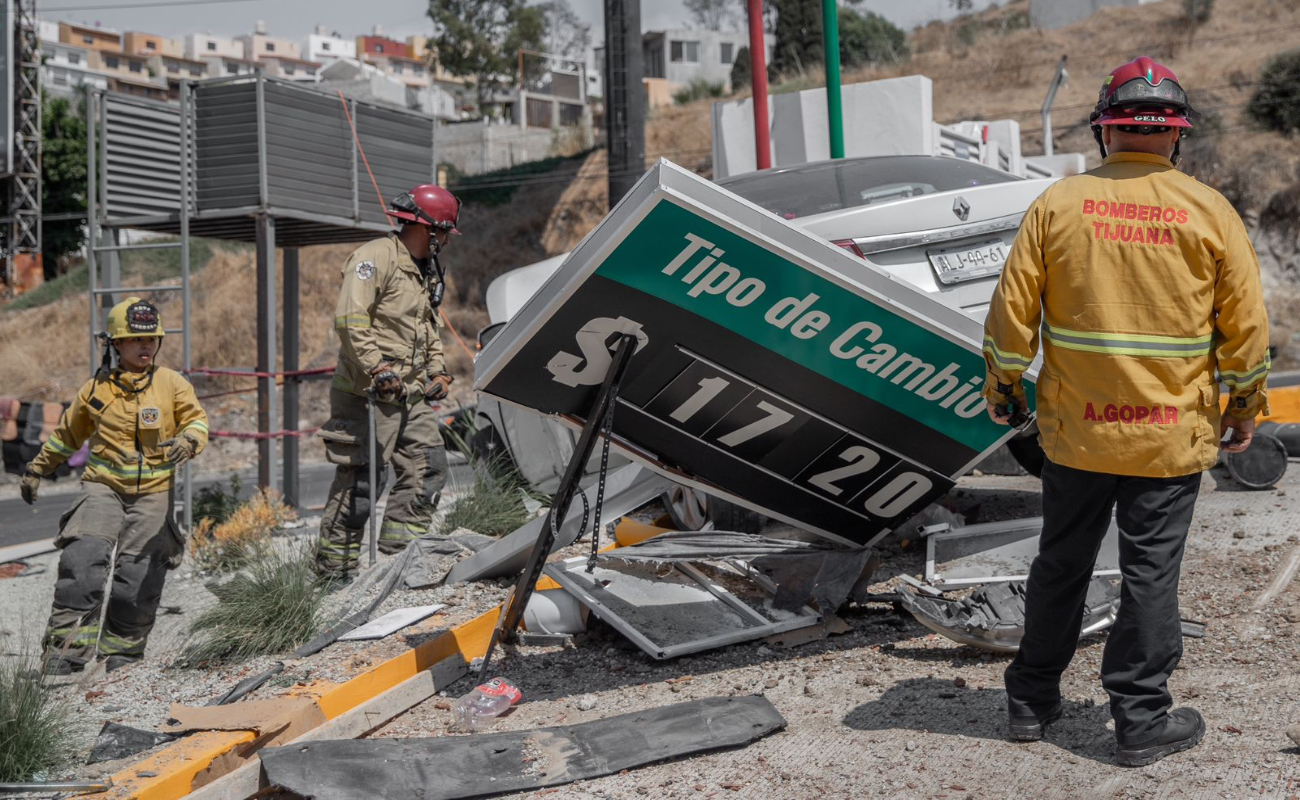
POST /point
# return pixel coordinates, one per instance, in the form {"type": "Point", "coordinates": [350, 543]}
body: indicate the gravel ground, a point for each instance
{"type": "Point", "coordinates": [886, 710]}
{"type": "Point", "coordinates": [891, 710]}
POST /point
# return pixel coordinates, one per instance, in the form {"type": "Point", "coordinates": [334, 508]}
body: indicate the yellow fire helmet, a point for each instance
{"type": "Point", "coordinates": [134, 318]}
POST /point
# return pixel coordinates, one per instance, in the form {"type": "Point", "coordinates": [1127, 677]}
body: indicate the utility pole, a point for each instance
{"type": "Point", "coordinates": [24, 245]}
{"type": "Point", "coordinates": [1059, 79]}
{"type": "Point", "coordinates": [624, 96]}
{"type": "Point", "coordinates": [834, 95]}
{"type": "Point", "coordinates": [758, 79]}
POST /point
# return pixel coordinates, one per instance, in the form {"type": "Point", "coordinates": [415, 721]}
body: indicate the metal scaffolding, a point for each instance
{"type": "Point", "coordinates": [250, 159]}
{"type": "Point", "coordinates": [24, 246]}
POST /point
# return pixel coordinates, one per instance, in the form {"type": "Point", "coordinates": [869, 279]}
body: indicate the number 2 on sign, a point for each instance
{"type": "Point", "coordinates": [888, 501]}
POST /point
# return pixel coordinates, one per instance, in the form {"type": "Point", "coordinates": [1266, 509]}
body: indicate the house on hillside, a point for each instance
{"type": "Point", "coordinates": [1059, 13]}
{"type": "Point", "coordinates": [674, 59]}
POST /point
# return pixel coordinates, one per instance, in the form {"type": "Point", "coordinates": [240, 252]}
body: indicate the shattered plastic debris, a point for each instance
{"type": "Point", "coordinates": [120, 741]}
{"type": "Point", "coordinates": [993, 616]}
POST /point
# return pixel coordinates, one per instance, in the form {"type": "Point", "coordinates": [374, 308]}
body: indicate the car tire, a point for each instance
{"type": "Point", "coordinates": [1028, 453]}
{"type": "Point", "coordinates": [693, 510]}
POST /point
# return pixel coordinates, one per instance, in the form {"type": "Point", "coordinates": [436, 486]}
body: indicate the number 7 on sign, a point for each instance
{"type": "Point", "coordinates": [711, 388]}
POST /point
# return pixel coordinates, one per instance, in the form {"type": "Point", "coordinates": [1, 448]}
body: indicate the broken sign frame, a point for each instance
{"type": "Point", "coordinates": [571, 575]}
{"type": "Point", "coordinates": [934, 542]}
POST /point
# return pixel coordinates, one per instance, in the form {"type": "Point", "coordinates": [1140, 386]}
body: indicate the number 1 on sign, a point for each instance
{"type": "Point", "coordinates": [709, 389]}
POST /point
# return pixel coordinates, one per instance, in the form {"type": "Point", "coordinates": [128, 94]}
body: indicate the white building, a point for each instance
{"type": "Point", "coordinates": [223, 66]}
{"type": "Point", "coordinates": [202, 46]}
{"type": "Point", "coordinates": [292, 69]}
{"type": "Point", "coordinates": [684, 56]}
{"type": "Point", "coordinates": [65, 68]}
{"type": "Point", "coordinates": [325, 48]}
{"type": "Point", "coordinates": [47, 31]}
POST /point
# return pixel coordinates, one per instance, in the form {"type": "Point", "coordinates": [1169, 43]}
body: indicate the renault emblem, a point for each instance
{"type": "Point", "coordinates": [961, 208]}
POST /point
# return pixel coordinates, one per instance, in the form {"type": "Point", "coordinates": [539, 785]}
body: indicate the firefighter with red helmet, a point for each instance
{"type": "Point", "coordinates": [1143, 288]}
{"type": "Point", "coordinates": [387, 323]}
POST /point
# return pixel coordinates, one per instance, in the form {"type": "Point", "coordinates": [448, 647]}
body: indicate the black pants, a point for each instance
{"type": "Point", "coordinates": [1146, 642]}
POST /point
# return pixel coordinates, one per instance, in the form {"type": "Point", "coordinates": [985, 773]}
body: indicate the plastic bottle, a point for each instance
{"type": "Point", "coordinates": [486, 702]}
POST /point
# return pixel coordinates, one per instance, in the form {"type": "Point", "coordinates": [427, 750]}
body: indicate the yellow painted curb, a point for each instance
{"type": "Point", "coordinates": [203, 757]}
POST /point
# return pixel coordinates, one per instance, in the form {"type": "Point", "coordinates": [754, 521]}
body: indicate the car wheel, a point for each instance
{"type": "Point", "coordinates": [686, 508]}
{"type": "Point", "coordinates": [1028, 453]}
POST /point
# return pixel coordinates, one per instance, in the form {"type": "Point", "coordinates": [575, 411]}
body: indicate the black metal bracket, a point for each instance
{"type": "Point", "coordinates": [508, 626]}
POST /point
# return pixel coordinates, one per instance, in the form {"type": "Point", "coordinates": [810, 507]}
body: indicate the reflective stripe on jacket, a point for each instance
{"type": "Point", "coordinates": [384, 314]}
{"type": "Point", "coordinates": [126, 418]}
{"type": "Point", "coordinates": [1142, 283]}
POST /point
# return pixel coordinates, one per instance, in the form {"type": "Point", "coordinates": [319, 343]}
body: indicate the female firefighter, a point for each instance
{"type": "Point", "coordinates": [142, 422]}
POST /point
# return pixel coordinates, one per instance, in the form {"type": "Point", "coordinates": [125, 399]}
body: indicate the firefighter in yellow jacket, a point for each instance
{"type": "Point", "coordinates": [389, 345]}
{"type": "Point", "coordinates": [1142, 285]}
{"type": "Point", "coordinates": [142, 422]}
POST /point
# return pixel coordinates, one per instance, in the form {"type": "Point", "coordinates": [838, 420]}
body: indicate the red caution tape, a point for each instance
{"type": "Point", "coordinates": [272, 435]}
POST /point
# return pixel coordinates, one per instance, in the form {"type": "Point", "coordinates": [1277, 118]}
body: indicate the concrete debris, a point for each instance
{"type": "Point", "coordinates": [448, 767]}
{"type": "Point", "coordinates": [391, 622]}
{"type": "Point", "coordinates": [993, 616]}
{"type": "Point", "coordinates": [586, 702]}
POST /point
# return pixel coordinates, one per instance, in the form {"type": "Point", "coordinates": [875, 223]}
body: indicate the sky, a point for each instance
{"type": "Point", "coordinates": [294, 19]}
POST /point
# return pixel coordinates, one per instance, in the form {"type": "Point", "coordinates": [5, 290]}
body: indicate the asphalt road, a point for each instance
{"type": "Point", "coordinates": [20, 523]}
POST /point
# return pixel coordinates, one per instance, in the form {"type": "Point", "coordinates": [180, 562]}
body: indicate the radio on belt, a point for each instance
{"type": "Point", "coordinates": [772, 368]}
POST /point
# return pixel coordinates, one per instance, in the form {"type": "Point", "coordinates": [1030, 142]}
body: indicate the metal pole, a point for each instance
{"type": "Point", "coordinates": [758, 79]}
{"type": "Point", "coordinates": [292, 384]}
{"type": "Point", "coordinates": [187, 480]}
{"type": "Point", "coordinates": [625, 95]}
{"type": "Point", "coordinates": [266, 406]}
{"type": "Point", "coordinates": [1059, 79]}
{"type": "Point", "coordinates": [834, 96]}
{"type": "Point", "coordinates": [92, 219]}
{"type": "Point", "coordinates": [263, 191]}
{"type": "Point", "coordinates": [373, 467]}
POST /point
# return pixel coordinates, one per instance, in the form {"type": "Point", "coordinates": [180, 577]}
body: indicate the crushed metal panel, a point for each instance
{"type": "Point", "coordinates": [992, 552]}
{"type": "Point", "coordinates": [451, 767]}
{"type": "Point", "coordinates": [773, 369]}
{"type": "Point", "coordinates": [626, 489]}
{"type": "Point", "coordinates": [993, 617]}
{"type": "Point", "coordinates": [670, 613]}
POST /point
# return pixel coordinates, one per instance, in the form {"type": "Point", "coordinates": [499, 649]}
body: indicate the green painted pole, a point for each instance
{"type": "Point", "coordinates": [834, 99]}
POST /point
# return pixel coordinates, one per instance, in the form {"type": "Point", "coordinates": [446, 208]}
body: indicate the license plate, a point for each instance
{"type": "Point", "coordinates": [969, 261]}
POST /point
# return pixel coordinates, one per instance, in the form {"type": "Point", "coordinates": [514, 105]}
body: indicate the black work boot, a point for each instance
{"type": "Point", "coordinates": [56, 665]}
{"type": "Point", "coordinates": [114, 663]}
{"type": "Point", "coordinates": [1030, 727]}
{"type": "Point", "coordinates": [1183, 731]}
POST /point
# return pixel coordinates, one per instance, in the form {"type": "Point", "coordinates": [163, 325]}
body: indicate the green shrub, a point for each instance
{"type": "Point", "coordinates": [698, 89]}
{"type": "Point", "coordinates": [272, 606]}
{"type": "Point", "coordinates": [1276, 102]}
{"type": "Point", "coordinates": [217, 504]}
{"type": "Point", "coordinates": [35, 727]}
{"type": "Point", "coordinates": [492, 506]}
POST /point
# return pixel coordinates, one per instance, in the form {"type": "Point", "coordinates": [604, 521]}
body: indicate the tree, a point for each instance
{"type": "Point", "coordinates": [566, 34]}
{"type": "Point", "coordinates": [868, 38]}
{"type": "Point", "coordinates": [63, 181]}
{"type": "Point", "coordinates": [713, 15]}
{"type": "Point", "coordinates": [798, 32]}
{"type": "Point", "coordinates": [1276, 102]}
{"type": "Point", "coordinates": [741, 76]}
{"type": "Point", "coordinates": [481, 39]}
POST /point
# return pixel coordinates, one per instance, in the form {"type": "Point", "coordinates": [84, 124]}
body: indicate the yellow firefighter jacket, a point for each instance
{"type": "Point", "coordinates": [384, 314]}
{"type": "Point", "coordinates": [126, 418]}
{"type": "Point", "coordinates": [1142, 283]}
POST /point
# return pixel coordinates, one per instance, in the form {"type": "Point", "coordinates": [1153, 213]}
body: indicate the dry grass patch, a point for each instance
{"type": "Point", "coordinates": [243, 538]}
{"type": "Point", "coordinates": [35, 727]}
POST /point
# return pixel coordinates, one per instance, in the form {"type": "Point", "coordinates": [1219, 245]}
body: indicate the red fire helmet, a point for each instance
{"type": "Point", "coordinates": [1143, 92]}
{"type": "Point", "coordinates": [429, 205]}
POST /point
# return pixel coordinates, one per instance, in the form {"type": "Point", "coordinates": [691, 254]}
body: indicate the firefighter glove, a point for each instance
{"type": "Point", "coordinates": [437, 388]}
{"type": "Point", "coordinates": [30, 485]}
{"type": "Point", "coordinates": [388, 386]}
{"type": "Point", "coordinates": [181, 449]}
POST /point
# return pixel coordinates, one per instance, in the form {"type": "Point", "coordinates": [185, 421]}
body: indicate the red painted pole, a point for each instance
{"type": "Point", "coordinates": [758, 78]}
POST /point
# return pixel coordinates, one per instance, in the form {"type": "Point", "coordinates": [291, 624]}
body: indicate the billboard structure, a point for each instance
{"type": "Point", "coordinates": [772, 368]}
{"type": "Point", "coordinates": [6, 87]}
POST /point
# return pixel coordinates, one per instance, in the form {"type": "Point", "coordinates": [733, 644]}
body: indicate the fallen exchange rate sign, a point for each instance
{"type": "Point", "coordinates": [772, 369]}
